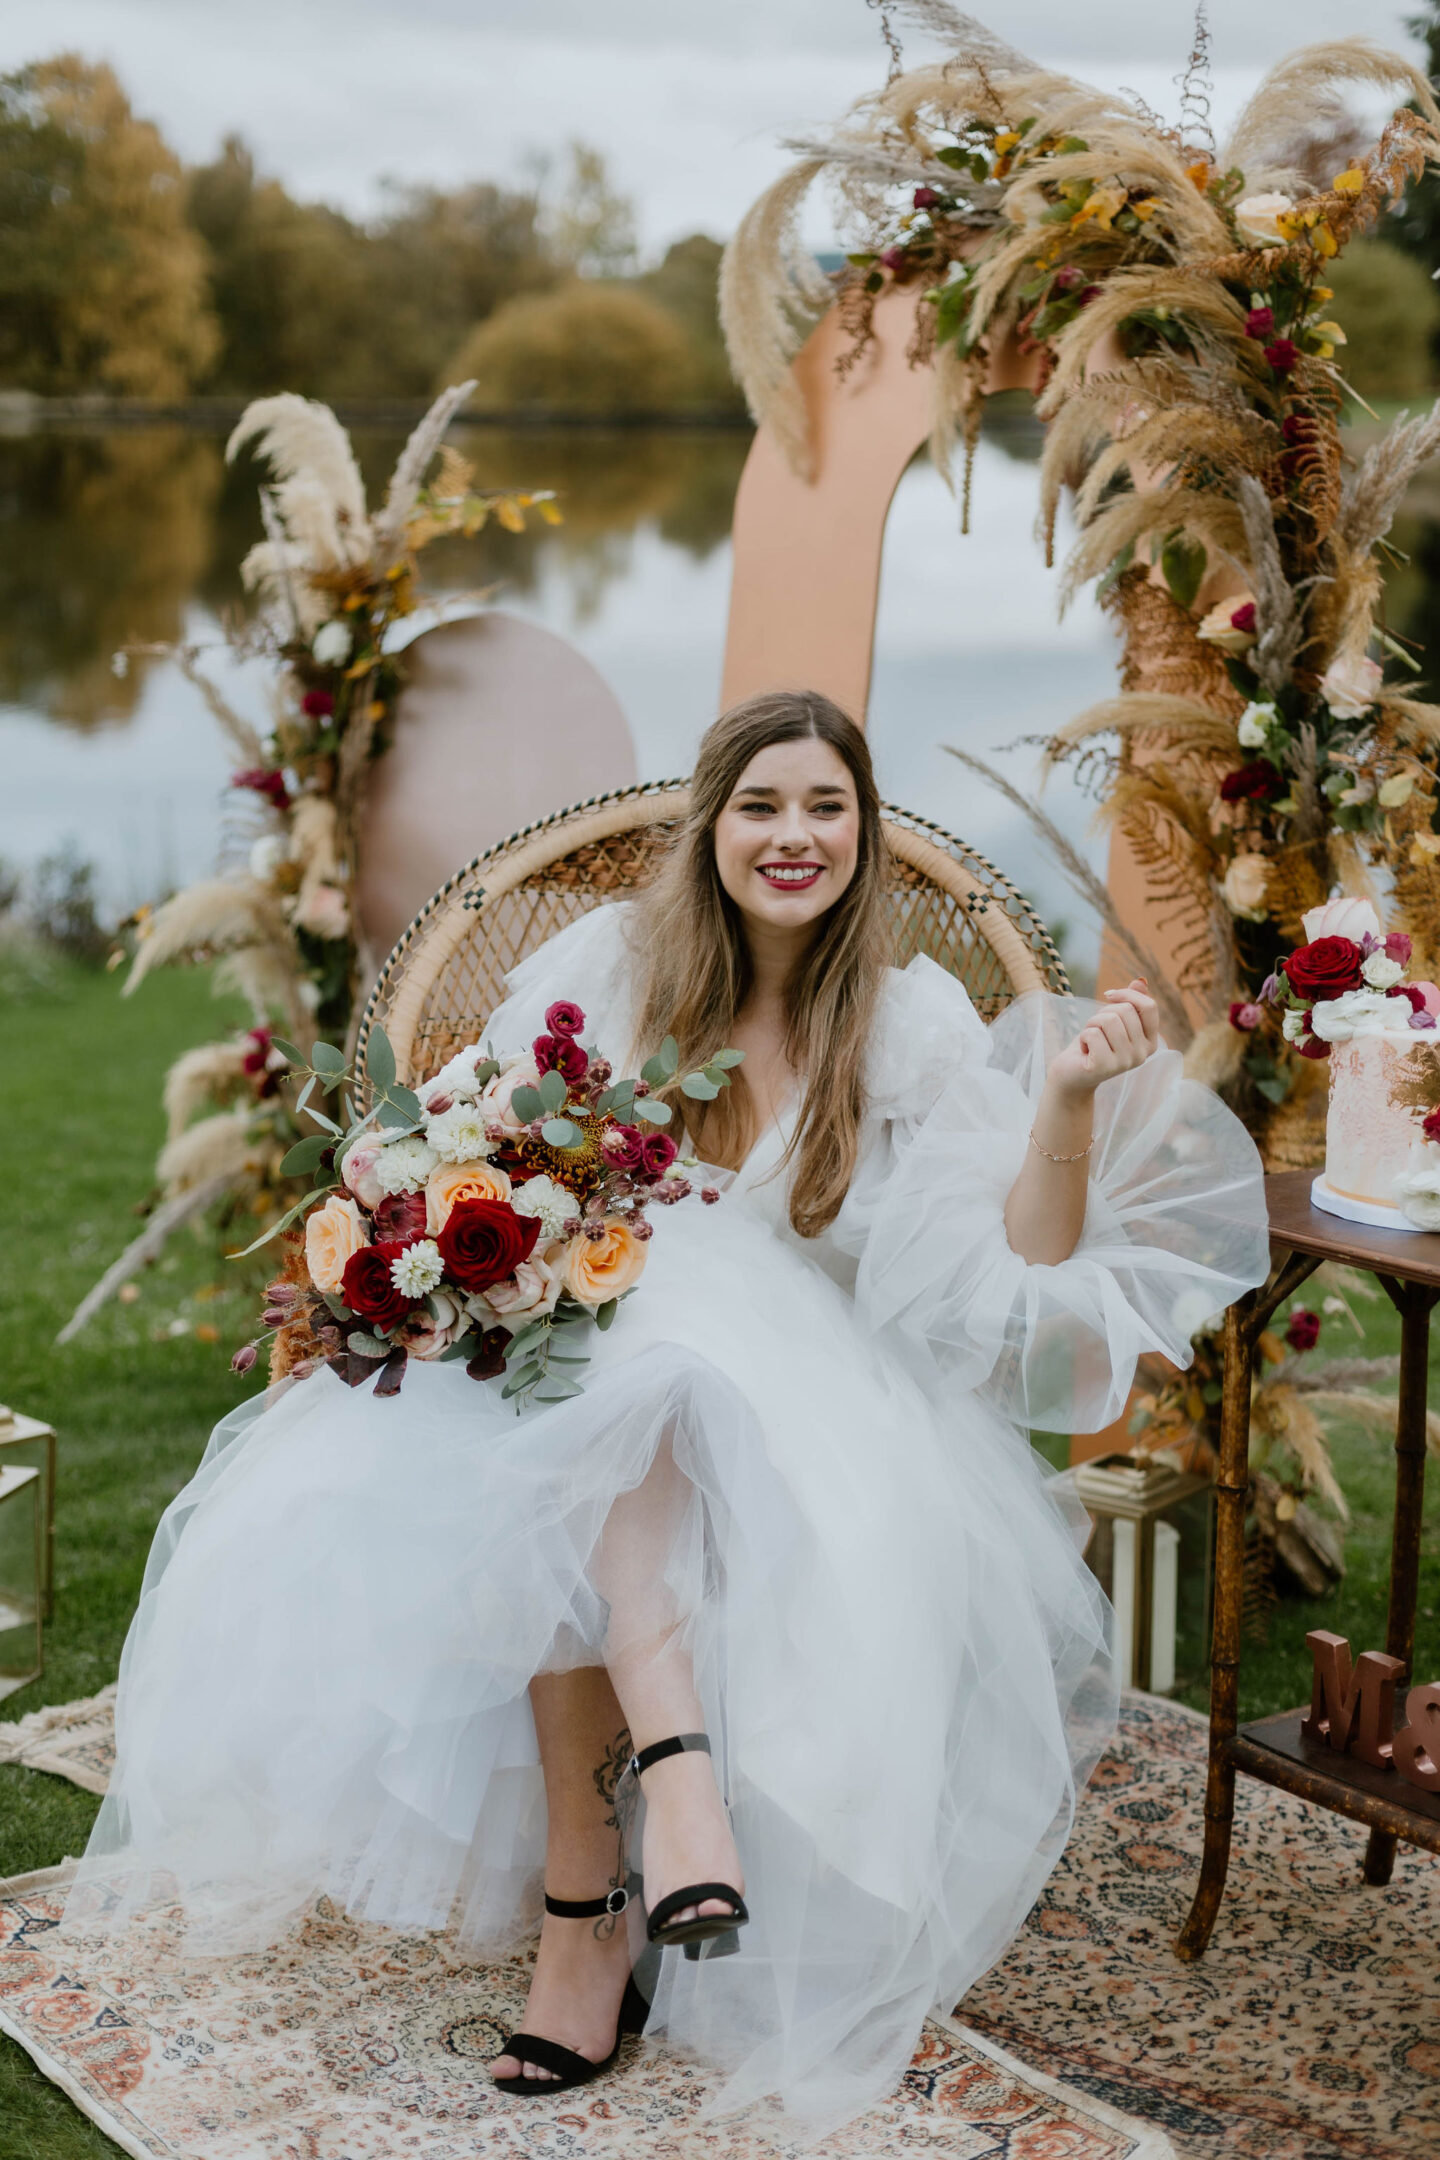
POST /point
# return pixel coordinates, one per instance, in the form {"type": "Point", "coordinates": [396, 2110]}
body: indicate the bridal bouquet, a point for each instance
{"type": "Point", "coordinates": [1348, 980]}
{"type": "Point", "coordinates": [488, 1217]}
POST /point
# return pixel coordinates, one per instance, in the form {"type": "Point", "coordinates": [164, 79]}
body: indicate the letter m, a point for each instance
{"type": "Point", "coordinates": [1351, 1708]}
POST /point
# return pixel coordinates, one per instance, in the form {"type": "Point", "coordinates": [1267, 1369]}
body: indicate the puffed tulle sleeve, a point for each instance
{"type": "Point", "coordinates": [1175, 1226]}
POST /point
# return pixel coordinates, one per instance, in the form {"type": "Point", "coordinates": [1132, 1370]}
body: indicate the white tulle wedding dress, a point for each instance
{"type": "Point", "coordinates": [811, 1455]}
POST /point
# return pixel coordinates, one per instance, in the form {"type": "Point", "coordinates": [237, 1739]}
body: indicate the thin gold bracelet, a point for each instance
{"type": "Point", "coordinates": [1061, 1158]}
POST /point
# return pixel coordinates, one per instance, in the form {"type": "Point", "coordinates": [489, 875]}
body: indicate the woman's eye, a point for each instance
{"type": "Point", "coordinates": [830, 809]}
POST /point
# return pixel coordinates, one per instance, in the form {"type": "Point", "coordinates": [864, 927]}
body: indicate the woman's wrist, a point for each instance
{"type": "Point", "coordinates": [1064, 1127]}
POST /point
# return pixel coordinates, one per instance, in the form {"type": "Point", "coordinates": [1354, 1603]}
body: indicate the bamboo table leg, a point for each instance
{"type": "Point", "coordinates": [1413, 1302]}
{"type": "Point", "coordinates": [1230, 1488]}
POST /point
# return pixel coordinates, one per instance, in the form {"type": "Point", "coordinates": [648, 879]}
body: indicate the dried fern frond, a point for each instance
{"type": "Point", "coordinates": [771, 295]}
{"type": "Point", "coordinates": [1300, 82]}
{"type": "Point", "coordinates": [1214, 519]}
{"type": "Point", "coordinates": [1180, 440]}
{"type": "Point", "coordinates": [1280, 1415]}
{"type": "Point", "coordinates": [212, 1073]}
{"type": "Point", "coordinates": [215, 915]}
{"type": "Point", "coordinates": [414, 462]}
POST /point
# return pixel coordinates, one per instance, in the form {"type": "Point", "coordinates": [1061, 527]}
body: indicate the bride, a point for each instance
{"type": "Point", "coordinates": [787, 1574]}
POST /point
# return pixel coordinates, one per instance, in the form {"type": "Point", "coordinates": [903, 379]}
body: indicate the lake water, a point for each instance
{"type": "Point", "coordinates": [112, 536]}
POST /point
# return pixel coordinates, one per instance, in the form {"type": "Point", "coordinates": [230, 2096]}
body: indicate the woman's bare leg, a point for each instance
{"type": "Point", "coordinates": [579, 1976]}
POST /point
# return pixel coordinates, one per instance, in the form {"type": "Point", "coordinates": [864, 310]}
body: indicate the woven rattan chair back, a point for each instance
{"type": "Point", "coordinates": [446, 975]}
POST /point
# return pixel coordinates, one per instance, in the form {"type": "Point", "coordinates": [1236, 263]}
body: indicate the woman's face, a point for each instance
{"type": "Point", "coordinates": [787, 840]}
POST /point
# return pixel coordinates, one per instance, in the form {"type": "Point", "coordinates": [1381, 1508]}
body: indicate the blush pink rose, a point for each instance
{"type": "Point", "coordinates": [495, 1099]}
{"type": "Point", "coordinates": [357, 1168]}
{"type": "Point", "coordinates": [532, 1290]}
{"type": "Point", "coordinates": [426, 1334]}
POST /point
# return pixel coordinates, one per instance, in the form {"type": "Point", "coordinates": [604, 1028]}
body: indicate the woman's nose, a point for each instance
{"type": "Point", "coordinates": [794, 831]}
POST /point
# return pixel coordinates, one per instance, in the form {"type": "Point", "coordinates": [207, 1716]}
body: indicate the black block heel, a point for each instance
{"type": "Point", "coordinates": [566, 2067]}
{"type": "Point", "coordinates": [710, 1934]}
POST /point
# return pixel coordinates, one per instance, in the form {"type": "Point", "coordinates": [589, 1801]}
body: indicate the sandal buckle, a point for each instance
{"type": "Point", "coordinates": [616, 1901]}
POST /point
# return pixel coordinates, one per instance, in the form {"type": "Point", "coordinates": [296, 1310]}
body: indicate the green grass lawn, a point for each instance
{"type": "Point", "coordinates": [134, 1398]}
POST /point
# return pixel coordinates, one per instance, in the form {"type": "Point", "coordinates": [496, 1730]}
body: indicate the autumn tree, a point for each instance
{"type": "Point", "coordinates": [102, 280]}
{"type": "Point", "coordinates": [588, 346]}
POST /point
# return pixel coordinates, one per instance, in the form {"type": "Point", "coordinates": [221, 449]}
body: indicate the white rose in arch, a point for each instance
{"type": "Point", "coordinates": [331, 643]}
{"type": "Point", "coordinates": [1257, 218]}
{"type": "Point", "coordinates": [1346, 917]}
{"type": "Point", "coordinates": [1245, 885]}
{"type": "Point", "coordinates": [323, 912]}
{"type": "Point", "coordinates": [1254, 725]}
{"type": "Point", "coordinates": [1350, 685]}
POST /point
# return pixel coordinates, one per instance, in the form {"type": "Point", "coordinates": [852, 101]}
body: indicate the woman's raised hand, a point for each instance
{"type": "Point", "coordinates": [1118, 1039]}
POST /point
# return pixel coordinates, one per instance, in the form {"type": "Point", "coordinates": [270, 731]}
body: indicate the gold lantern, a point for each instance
{"type": "Point", "coordinates": [31, 1443]}
{"type": "Point", "coordinates": [21, 1543]}
{"type": "Point", "coordinates": [1150, 1550]}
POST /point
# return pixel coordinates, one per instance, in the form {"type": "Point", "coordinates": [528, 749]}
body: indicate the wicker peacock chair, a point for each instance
{"type": "Point", "coordinates": [445, 976]}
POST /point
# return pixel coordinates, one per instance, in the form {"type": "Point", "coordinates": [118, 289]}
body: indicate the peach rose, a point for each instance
{"type": "Point", "coordinates": [357, 1168]}
{"type": "Point", "coordinates": [495, 1097]}
{"type": "Point", "coordinates": [1347, 917]}
{"type": "Point", "coordinates": [333, 1235]}
{"type": "Point", "coordinates": [598, 1269]}
{"type": "Point", "coordinates": [533, 1289]}
{"type": "Point", "coordinates": [1245, 885]}
{"type": "Point", "coordinates": [452, 1181]}
{"type": "Point", "coordinates": [1350, 685]}
{"type": "Point", "coordinates": [426, 1334]}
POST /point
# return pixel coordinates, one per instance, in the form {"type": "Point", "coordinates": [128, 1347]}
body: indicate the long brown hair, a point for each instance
{"type": "Point", "coordinates": [694, 968]}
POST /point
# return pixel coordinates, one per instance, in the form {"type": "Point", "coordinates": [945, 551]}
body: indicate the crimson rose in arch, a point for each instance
{"type": "Point", "coordinates": [483, 1241]}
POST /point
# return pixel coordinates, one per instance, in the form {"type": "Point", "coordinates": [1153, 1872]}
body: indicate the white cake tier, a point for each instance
{"type": "Point", "coordinates": [1370, 1135]}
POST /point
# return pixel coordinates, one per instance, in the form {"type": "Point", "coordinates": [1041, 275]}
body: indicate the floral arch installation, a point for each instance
{"type": "Point", "coordinates": [1167, 304]}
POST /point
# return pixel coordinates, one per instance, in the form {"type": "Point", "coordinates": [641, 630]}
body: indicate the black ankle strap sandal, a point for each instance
{"type": "Point", "coordinates": [565, 2066]}
{"type": "Point", "coordinates": [707, 1934]}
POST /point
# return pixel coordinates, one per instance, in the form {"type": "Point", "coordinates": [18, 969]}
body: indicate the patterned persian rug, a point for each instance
{"type": "Point", "coordinates": [74, 1740]}
{"type": "Point", "coordinates": [1310, 2029]}
{"type": "Point", "coordinates": [347, 2042]}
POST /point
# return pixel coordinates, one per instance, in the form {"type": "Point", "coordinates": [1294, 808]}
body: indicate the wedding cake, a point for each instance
{"type": "Point", "coordinates": [1344, 997]}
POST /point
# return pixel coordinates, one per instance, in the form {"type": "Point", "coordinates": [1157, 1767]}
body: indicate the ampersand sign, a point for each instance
{"type": "Point", "coordinates": [1416, 1746]}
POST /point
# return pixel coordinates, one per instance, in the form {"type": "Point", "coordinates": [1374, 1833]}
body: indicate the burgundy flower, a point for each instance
{"type": "Point", "coordinates": [1411, 992]}
{"type": "Point", "coordinates": [1327, 968]}
{"type": "Point", "coordinates": [367, 1286]}
{"type": "Point", "coordinates": [400, 1216]}
{"type": "Point", "coordinates": [1067, 277]}
{"type": "Point", "coordinates": [657, 1152]}
{"type": "Point", "coordinates": [1244, 617]}
{"type": "Point", "coordinates": [925, 198]}
{"type": "Point", "coordinates": [257, 1057]}
{"type": "Point", "coordinates": [1245, 1016]}
{"type": "Point", "coordinates": [564, 1018]}
{"type": "Point", "coordinates": [709, 1194]}
{"type": "Point", "coordinates": [488, 1361]}
{"type": "Point", "coordinates": [319, 704]}
{"type": "Point", "coordinates": [1091, 292]}
{"type": "Point", "coordinates": [1260, 323]}
{"type": "Point", "coordinates": [1256, 782]}
{"type": "Point", "coordinates": [269, 784]}
{"type": "Point", "coordinates": [244, 1358]}
{"type": "Point", "coordinates": [894, 258]}
{"type": "Point", "coordinates": [1295, 428]}
{"type": "Point", "coordinates": [482, 1242]}
{"type": "Point", "coordinates": [1304, 1330]}
{"type": "Point", "coordinates": [1282, 355]}
{"type": "Point", "coordinates": [1314, 1046]}
{"type": "Point", "coordinates": [1398, 947]}
{"type": "Point", "coordinates": [623, 1147]}
{"type": "Point", "coordinates": [1430, 1125]}
{"type": "Point", "coordinates": [557, 1053]}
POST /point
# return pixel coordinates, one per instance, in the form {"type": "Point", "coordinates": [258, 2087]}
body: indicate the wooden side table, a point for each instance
{"type": "Point", "coordinates": [1407, 1265]}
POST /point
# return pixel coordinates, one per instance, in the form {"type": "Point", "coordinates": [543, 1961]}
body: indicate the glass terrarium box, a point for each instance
{"type": "Point", "coordinates": [20, 1593]}
{"type": "Point", "coordinates": [1151, 1549]}
{"type": "Point", "coordinates": [30, 1443]}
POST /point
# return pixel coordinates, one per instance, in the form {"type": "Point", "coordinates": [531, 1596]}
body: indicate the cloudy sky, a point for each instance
{"type": "Point", "coordinates": [687, 100]}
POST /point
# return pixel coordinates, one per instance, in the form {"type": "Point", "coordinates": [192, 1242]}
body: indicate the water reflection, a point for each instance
{"type": "Point", "coordinates": [102, 538]}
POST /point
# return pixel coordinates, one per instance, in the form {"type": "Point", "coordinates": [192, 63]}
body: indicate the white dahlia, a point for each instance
{"type": "Point", "coordinates": [458, 1134]}
{"type": "Point", "coordinates": [418, 1269]}
{"type": "Point", "coordinates": [404, 1165]}
{"type": "Point", "coordinates": [541, 1196]}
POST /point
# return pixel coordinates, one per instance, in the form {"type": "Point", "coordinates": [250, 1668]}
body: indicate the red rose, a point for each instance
{"type": "Point", "coordinates": [1244, 617]}
{"type": "Point", "coordinates": [1430, 1125]}
{"type": "Point", "coordinates": [1244, 1015]}
{"type": "Point", "coordinates": [367, 1285]}
{"type": "Point", "coordinates": [925, 198]}
{"type": "Point", "coordinates": [1255, 782]}
{"type": "Point", "coordinates": [269, 784]}
{"type": "Point", "coordinates": [1260, 323]}
{"type": "Point", "coordinates": [565, 1018]}
{"type": "Point", "coordinates": [401, 1216]}
{"type": "Point", "coordinates": [1326, 969]}
{"type": "Point", "coordinates": [657, 1152]}
{"type": "Point", "coordinates": [1067, 277]}
{"type": "Point", "coordinates": [257, 1057]}
{"type": "Point", "coordinates": [623, 1147]}
{"type": "Point", "coordinates": [1282, 355]}
{"type": "Point", "coordinates": [319, 704]}
{"type": "Point", "coordinates": [1412, 993]}
{"type": "Point", "coordinates": [1304, 1330]}
{"type": "Point", "coordinates": [894, 258]}
{"type": "Point", "coordinates": [483, 1241]}
{"type": "Point", "coordinates": [1091, 292]}
{"type": "Point", "coordinates": [557, 1053]}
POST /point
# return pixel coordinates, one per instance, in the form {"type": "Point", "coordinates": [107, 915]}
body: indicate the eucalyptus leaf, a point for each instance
{"type": "Point", "coordinates": [698, 1088]}
{"type": "Point", "coordinates": [654, 1113]}
{"type": "Point", "coordinates": [524, 1378]}
{"type": "Point", "coordinates": [284, 1223]}
{"type": "Point", "coordinates": [728, 1059]}
{"type": "Point", "coordinates": [405, 1099]}
{"type": "Point", "coordinates": [556, 1388]}
{"type": "Point", "coordinates": [380, 1059]}
{"type": "Point", "coordinates": [559, 1132]}
{"type": "Point", "coordinates": [368, 1345]}
{"type": "Point", "coordinates": [605, 1314]}
{"type": "Point", "coordinates": [462, 1347]}
{"type": "Point", "coordinates": [305, 1155]}
{"type": "Point", "coordinates": [390, 1115]}
{"type": "Point", "coordinates": [553, 1091]}
{"type": "Point", "coordinates": [524, 1338]}
{"type": "Point", "coordinates": [670, 1055]}
{"type": "Point", "coordinates": [555, 1358]}
{"type": "Point", "coordinates": [286, 1049]}
{"type": "Point", "coordinates": [527, 1104]}
{"type": "Point", "coordinates": [485, 1072]}
{"type": "Point", "coordinates": [326, 1058]}
{"type": "Point", "coordinates": [653, 1072]}
{"type": "Point", "coordinates": [1183, 563]}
